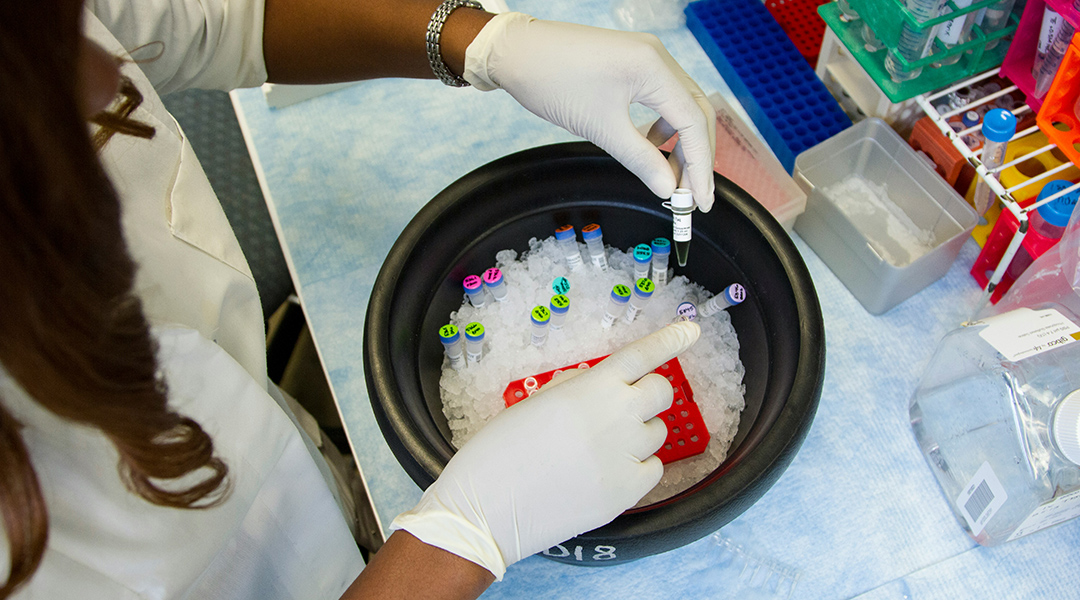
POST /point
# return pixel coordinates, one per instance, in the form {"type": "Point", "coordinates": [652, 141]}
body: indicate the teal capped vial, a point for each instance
{"type": "Point", "coordinates": [493, 281]}
{"type": "Point", "coordinates": [540, 318]}
{"type": "Point", "coordinates": [474, 287]}
{"type": "Point", "coordinates": [474, 341]}
{"type": "Point", "coordinates": [616, 306]}
{"type": "Point", "coordinates": [642, 261]}
{"type": "Point", "coordinates": [661, 251]}
{"type": "Point", "coordinates": [643, 290]}
{"type": "Point", "coordinates": [560, 305]}
{"type": "Point", "coordinates": [561, 285]}
{"type": "Point", "coordinates": [452, 345]}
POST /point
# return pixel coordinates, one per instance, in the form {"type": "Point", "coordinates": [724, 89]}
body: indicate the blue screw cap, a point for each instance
{"type": "Point", "coordinates": [1057, 211]}
{"type": "Point", "coordinates": [999, 125]}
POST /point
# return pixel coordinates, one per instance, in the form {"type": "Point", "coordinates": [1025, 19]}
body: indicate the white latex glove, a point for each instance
{"type": "Point", "coordinates": [584, 79]}
{"type": "Point", "coordinates": [567, 460]}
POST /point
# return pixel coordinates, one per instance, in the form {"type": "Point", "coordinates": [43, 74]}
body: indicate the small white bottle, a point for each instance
{"type": "Point", "coordinates": [616, 306]}
{"type": "Point", "coordinates": [642, 255]}
{"type": "Point", "coordinates": [452, 345]}
{"type": "Point", "coordinates": [732, 295]}
{"type": "Point", "coordinates": [594, 240]}
{"type": "Point", "coordinates": [474, 341]}
{"type": "Point", "coordinates": [494, 282]}
{"type": "Point", "coordinates": [474, 287]}
{"type": "Point", "coordinates": [997, 417]}
{"type": "Point", "coordinates": [559, 306]}
{"type": "Point", "coordinates": [540, 318]}
{"type": "Point", "coordinates": [567, 238]}
{"type": "Point", "coordinates": [661, 253]}
{"type": "Point", "coordinates": [643, 290]}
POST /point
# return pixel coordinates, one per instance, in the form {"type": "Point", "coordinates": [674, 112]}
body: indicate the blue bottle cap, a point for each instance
{"type": "Point", "coordinates": [1057, 211]}
{"type": "Point", "coordinates": [642, 253]}
{"type": "Point", "coordinates": [644, 287]}
{"type": "Point", "coordinates": [560, 304]}
{"type": "Point", "coordinates": [970, 119]}
{"type": "Point", "coordinates": [734, 294]}
{"type": "Point", "coordinates": [661, 246]}
{"type": "Point", "coordinates": [591, 232]}
{"type": "Point", "coordinates": [999, 125]}
{"type": "Point", "coordinates": [565, 232]}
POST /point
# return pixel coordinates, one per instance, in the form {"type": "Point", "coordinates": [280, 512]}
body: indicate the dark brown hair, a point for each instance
{"type": "Point", "coordinates": [71, 332]}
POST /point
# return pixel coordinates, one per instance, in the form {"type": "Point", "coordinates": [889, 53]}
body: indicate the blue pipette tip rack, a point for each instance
{"type": "Point", "coordinates": [779, 90]}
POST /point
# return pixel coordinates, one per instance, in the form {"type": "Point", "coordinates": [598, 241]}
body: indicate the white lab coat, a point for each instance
{"type": "Point", "coordinates": [280, 534]}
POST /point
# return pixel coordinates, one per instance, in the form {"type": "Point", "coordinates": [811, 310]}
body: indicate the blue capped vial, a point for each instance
{"type": "Point", "coordinates": [594, 240]}
{"type": "Point", "coordinates": [452, 345]}
{"type": "Point", "coordinates": [567, 238]}
{"type": "Point", "coordinates": [642, 261]}
{"type": "Point", "coordinates": [661, 251]}
{"type": "Point", "coordinates": [559, 306]}
{"type": "Point", "coordinates": [474, 341]}
{"type": "Point", "coordinates": [732, 295]}
{"type": "Point", "coordinates": [616, 306]}
{"type": "Point", "coordinates": [643, 290]}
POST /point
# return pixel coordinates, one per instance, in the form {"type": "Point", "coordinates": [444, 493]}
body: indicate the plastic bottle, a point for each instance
{"type": "Point", "coordinates": [567, 239]}
{"type": "Point", "coordinates": [661, 253]}
{"type": "Point", "coordinates": [998, 128]}
{"type": "Point", "coordinates": [913, 44]}
{"type": "Point", "coordinates": [474, 287]}
{"type": "Point", "coordinates": [594, 239]}
{"type": "Point", "coordinates": [540, 317]}
{"type": "Point", "coordinates": [643, 290]}
{"type": "Point", "coordinates": [1051, 23]}
{"type": "Point", "coordinates": [732, 295]}
{"type": "Point", "coordinates": [452, 345]}
{"type": "Point", "coordinates": [955, 32]}
{"type": "Point", "coordinates": [616, 306]}
{"type": "Point", "coordinates": [996, 19]}
{"type": "Point", "coordinates": [559, 306]}
{"type": "Point", "coordinates": [997, 417]}
{"type": "Point", "coordinates": [474, 341]}
{"type": "Point", "coordinates": [1048, 222]}
{"type": "Point", "coordinates": [642, 260]}
{"type": "Point", "coordinates": [494, 282]}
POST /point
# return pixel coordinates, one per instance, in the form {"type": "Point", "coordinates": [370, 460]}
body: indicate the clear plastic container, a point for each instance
{"type": "Point", "coordinates": [997, 417]}
{"type": "Point", "coordinates": [998, 128]}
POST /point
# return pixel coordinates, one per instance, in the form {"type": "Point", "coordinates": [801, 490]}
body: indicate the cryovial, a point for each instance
{"type": "Point", "coordinates": [567, 238]}
{"type": "Point", "coordinates": [540, 318]}
{"type": "Point", "coordinates": [661, 251]}
{"type": "Point", "coordinates": [560, 305]}
{"type": "Point", "coordinates": [616, 306]}
{"type": "Point", "coordinates": [452, 345]}
{"type": "Point", "coordinates": [643, 290]}
{"type": "Point", "coordinates": [686, 311]}
{"type": "Point", "coordinates": [474, 287]}
{"type": "Point", "coordinates": [914, 43]}
{"type": "Point", "coordinates": [594, 239]}
{"type": "Point", "coordinates": [682, 207]}
{"type": "Point", "coordinates": [642, 261]}
{"type": "Point", "coordinates": [474, 341]}
{"type": "Point", "coordinates": [493, 280]}
{"type": "Point", "coordinates": [732, 295]}
{"type": "Point", "coordinates": [998, 128]}
{"type": "Point", "coordinates": [561, 285]}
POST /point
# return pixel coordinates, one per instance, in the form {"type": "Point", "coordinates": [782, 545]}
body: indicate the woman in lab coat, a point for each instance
{"type": "Point", "coordinates": [143, 454]}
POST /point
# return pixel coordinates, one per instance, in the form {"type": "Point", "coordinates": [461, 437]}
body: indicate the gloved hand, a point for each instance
{"type": "Point", "coordinates": [568, 459]}
{"type": "Point", "coordinates": [584, 79]}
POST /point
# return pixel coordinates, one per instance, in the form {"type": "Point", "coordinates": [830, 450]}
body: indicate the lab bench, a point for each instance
{"type": "Point", "coordinates": [856, 514]}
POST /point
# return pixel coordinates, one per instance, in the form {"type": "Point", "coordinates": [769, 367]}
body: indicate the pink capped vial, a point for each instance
{"type": "Point", "coordinates": [474, 287]}
{"type": "Point", "coordinates": [493, 280]}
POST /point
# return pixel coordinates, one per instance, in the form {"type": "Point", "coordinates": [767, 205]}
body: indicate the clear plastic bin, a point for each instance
{"type": "Point", "coordinates": [866, 242]}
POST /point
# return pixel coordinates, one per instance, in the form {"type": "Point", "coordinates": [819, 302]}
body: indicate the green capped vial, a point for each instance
{"type": "Point", "coordinates": [560, 305]}
{"type": "Point", "coordinates": [540, 318]}
{"type": "Point", "coordinates": [474, 341]}
{"type": "Point", "coordinates": [452, 345]}
{"type": "Point", "coordinates": [643, 290]}
{"type": "Point", "coordinates": [616, 306]}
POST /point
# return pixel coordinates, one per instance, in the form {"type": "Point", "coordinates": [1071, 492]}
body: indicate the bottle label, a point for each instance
{"type": "Point", "coordinates": [681, 229]}
{"type": "Point", "coordinates": [1024, 332]}
{"type": "Point", "coordinates": [981, 498]}
{"type": "Point", "coordinates": [1056, 511]}
{"type": "Point", "coordinates": [1050, 24]}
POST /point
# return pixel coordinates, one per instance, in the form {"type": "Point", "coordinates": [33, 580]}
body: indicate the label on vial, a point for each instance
{"type": "Point", "coordinates": [981, 498]}
{"type": "Point", "coordinates": [1024, 332]}
{"type": "Point", "coordinates": [573, 259]}
{"type": "Point", "coordinates": [1050, 24]}
{"type": "Point", "coordinates": [600, 260]}
{"type": "Point", "coordinates": [1056, 511]}
{"type": "Point", "coordinates": [949, 32]}
{"type": "Point", "coordinates": [681, 228]}
{"type": "Point", "coordinates": [561, 285]}
{"type": "Point", "coordinates": [631, 313]}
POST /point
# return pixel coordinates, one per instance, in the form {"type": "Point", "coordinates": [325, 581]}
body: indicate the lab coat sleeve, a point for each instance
{"type": "Point", "coordinates": [181, 44]}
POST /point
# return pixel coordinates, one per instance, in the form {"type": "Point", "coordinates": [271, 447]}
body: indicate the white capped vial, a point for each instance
{"type": "Point", "coordinates": [732, 295]}
{"type": "Point", "coordinates": [452, 345]}
{"type": "Point", "coordinates": [685, 312]}
{"type": "Point", "coordinates": [561, 285]}
{"type": "Point", "coordinates": [567, 238]}
{"type": "Point", "coordinates": [560, 305]}
{"type": "Point", "coordinates": [642, 261]}
{"type": "Point", "coordinates": [661, 251]}
{"type": "Point", "coordinates": [594, 239]}
{"type": "Point", "coordinates": [474, 287]}
{"type": "Point", "coordinates": [493, 281]}
{"type": "Point", "coordinates": [540, 317]}
{"type": "Point", "coordinates": [474, 341]}
{"type": "Point", "coordinates": [616, 306]}
{"type": "Point", "coordinates": [643, 290]}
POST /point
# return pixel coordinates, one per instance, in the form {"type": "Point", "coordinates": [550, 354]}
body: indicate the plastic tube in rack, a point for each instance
{"type": "Point", "coordinates": [681, 206]}
{"type": "Point", "coordinates": [686, 311]}
{"type": "Point", "coordinates": [1051, 61]}
{"type": "Point", "coordinates": [560, 305]}
{"type": "Point", "coordinates": [493, 280]}
{"type": "Point", "coordinates": [998, 128]}
{"type": "Point", "coordinates": [732, 295]}
{"type": "Point", "coordinates": [661, 251]}
{"type": "Point", "coordinates": [642, 260]}
{"type": "Point", "coordinates": [452, 345]}
{"type": "Point", "coordinates": [616, 306]}
{"type": "Point", "coordinates": [474, 287]}
{"type": "Point", "coordinates": [594, 239]}
{"type": "Point", "coordinates": [474, 341]}
{"type": "Point", "coordinates": [561, 285]}
{"type": "Point", "coordinates": [540, 317]}
{"type": "Point", "coordinates": [643, 290]}
{"type": "Point", "coordinates": [567, 238]}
